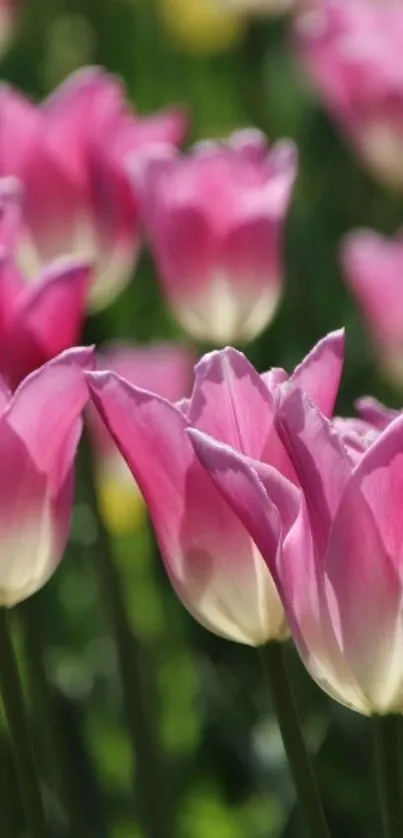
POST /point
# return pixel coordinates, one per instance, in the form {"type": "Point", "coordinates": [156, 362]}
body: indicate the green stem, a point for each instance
{"type": "Point", "coordinates": [149, 780]}
{"type": "Point", "coordinates": [290, 728]}
{"type": "Point", "coordinates": [388, 770]}
{"type": "Point", "coordinates": [61, 759]}
{"type": "Point", "coordinates": [14, 707]}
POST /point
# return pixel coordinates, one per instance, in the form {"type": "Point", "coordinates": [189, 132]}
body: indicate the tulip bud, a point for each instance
{"type": "Point", "coordinates": [215, 220]}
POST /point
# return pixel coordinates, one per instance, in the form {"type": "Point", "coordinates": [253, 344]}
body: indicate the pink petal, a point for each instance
{"type": "Point", "coordinates": [364, 571]}
{"type": "Point", "coordinates": [208, 554]}
{"type": "Point", "coordinates": [47, 405]}
{"type": "Point", "coordinates": [375, 413]}
{"type": "Point", "coordinates": [231, 403]}
{"type": "Point", "coordinates": [163, 368]}
{"type": "Point", "coordinates": [19, 122]}
{"type": "Point", "coordinates": [49, 318]}
{"type": "Point", "coordinates": [55, 204]}
{"type": "Point", "coordinates": [315, 449]}
{"type": "Point", "coordinates": [320, 372]}
{"type": "Point", "coordinates": [5, 395]}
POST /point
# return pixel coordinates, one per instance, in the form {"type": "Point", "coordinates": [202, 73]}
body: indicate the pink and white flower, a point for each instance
{"type": "Point", "coordinates": [40, 426]}
{"type": "Point", "coordinates": [335, 554]}
{"type": "Point", "coordinates": [215, 220]}
{"type": "Point", "coordinates": [213, 563]}
{"type": "Point", "coordinates": [352, 52]}
{"type": "Point", "coordinates": [69, 154]}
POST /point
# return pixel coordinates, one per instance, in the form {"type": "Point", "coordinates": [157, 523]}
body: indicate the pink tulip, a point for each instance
{"type": "Point", "coordinates": [40, 320]}
{"type": "Point", "coordinates": [166, 369]}
{"type": "Point", "coordinates": [9, 14]}
{"type": "Point", "coordinates": [40, 426]}
{"type": "Point", "coordinates": [352, 51]}
{"type": "Point", "coordinates": [373, 267]}
{"type": "Point", "coordinates": [214, 565]}
{"type": "Point", "coordinates": [335, 555]}
{"type": "Point", "coordinates": [215, 220]}
{"type": "Point", "coordinates": [69, 154]}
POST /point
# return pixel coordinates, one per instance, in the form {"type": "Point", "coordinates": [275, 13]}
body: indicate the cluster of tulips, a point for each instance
{"type": "Point", "coordinates": [274, 517]}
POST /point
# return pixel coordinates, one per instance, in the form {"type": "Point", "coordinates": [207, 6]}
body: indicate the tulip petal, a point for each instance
{"type": "Point", "coordinates": [208, 554]}
{"type": "Point", "coordinates": [318, 456]}
{"type": "Point", "coordinates": [47, 405]}
{"type": "Point", "coordinates": [19, 121]}
{"type": "Point", "coordinates": [261, 508]}
{"type": "Point", "coordinates": [375, 413]}
{"type": "Point", "coordinates": [49, 318]}
{"type": "Point", "coordinates": [231, 403]}
{"type": "Point", "coordinates": [320, 372]}
{"type": "Point", "coordinates": [364, 570]}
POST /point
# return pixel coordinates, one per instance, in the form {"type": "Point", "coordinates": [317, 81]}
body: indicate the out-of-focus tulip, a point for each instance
{"type": "Point", "coordinates": [374, 413]}
{"type": "Point", "coordinates": [336, 559]}
{"type": "Point", "coordinates": [40, 426]}
{"type": "Point", "coordinates": [373, 268]}
{"type": "Point", "coordinates": [9, 14]}
{"type": "Point", "coordinates": [202, 26]}
{"type": "Point", "coordinates": [353, 53]}
{"type": "Point", "coordinates": [39, 320]}
{"type": "Point", "coordinates": [69, 153]}
{"type": "Point", "coordinates": [215, 219]}
{"type": "Point", "coordinates": [214, 566]}
{"type": "Point", "coordinates": [164, 368]}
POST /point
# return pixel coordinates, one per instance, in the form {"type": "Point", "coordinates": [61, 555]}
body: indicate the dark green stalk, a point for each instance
{"type": "Point", "coordinates": [386, 734]}
{"type": "Point", "coordinates": [61, 759]}
{"type": "Point", "coordinates": [299, 761]}
{"type": "Point", "coordinates": [149, 781]}
{"type": "Point", "coordinates": [14, 707]}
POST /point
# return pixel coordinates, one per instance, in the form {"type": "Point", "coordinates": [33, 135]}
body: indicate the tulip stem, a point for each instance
{"type": "Point", "coordinates": [148, 778]}
{"type": "Point", "coordinates": [299, 761]}
{"type": "Point", "coordinates": [61, 756]}
{"type": "Point", "coordinates": [388, 770]}
{"type": "Point", "coordinates": [23, 752]}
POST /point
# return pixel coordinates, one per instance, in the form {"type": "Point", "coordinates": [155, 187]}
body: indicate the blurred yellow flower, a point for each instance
{"type": "Point", "coordinates": [121, 503]}
{"type": "Point", "coordinates": [202, 26]}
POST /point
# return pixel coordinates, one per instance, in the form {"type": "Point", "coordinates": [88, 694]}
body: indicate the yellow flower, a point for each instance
{"type": "Point", "coordinates": [121, 503]}
{"type": "Point", "coordinates": [202, 26]}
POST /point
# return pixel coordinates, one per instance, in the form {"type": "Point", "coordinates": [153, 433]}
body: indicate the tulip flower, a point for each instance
{"type": "Point", "coordinates": [352, 52]}
{"type": "Point", "coordinates": [39, 320]}
{"type": "Point", "coordinates": [213, 564]}
{"type": "Point", "coordinates": [165, 369]}
{"type": "Point", "coordinates": [335, 556]}
{"type": "Point", "coordinates": [215, 220]}
{"type": "Point", "coordinates": [69, 153]}
{"type": "Point", "coordinates": [9, 14]}
{"type": "Point", "coordinates": [40, 427]}
{"type": "Point", "coordinates": [373, 268]}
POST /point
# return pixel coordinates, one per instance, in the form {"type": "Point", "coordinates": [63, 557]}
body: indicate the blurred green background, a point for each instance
{"type": "Point", "coordinates": [204, 699]}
